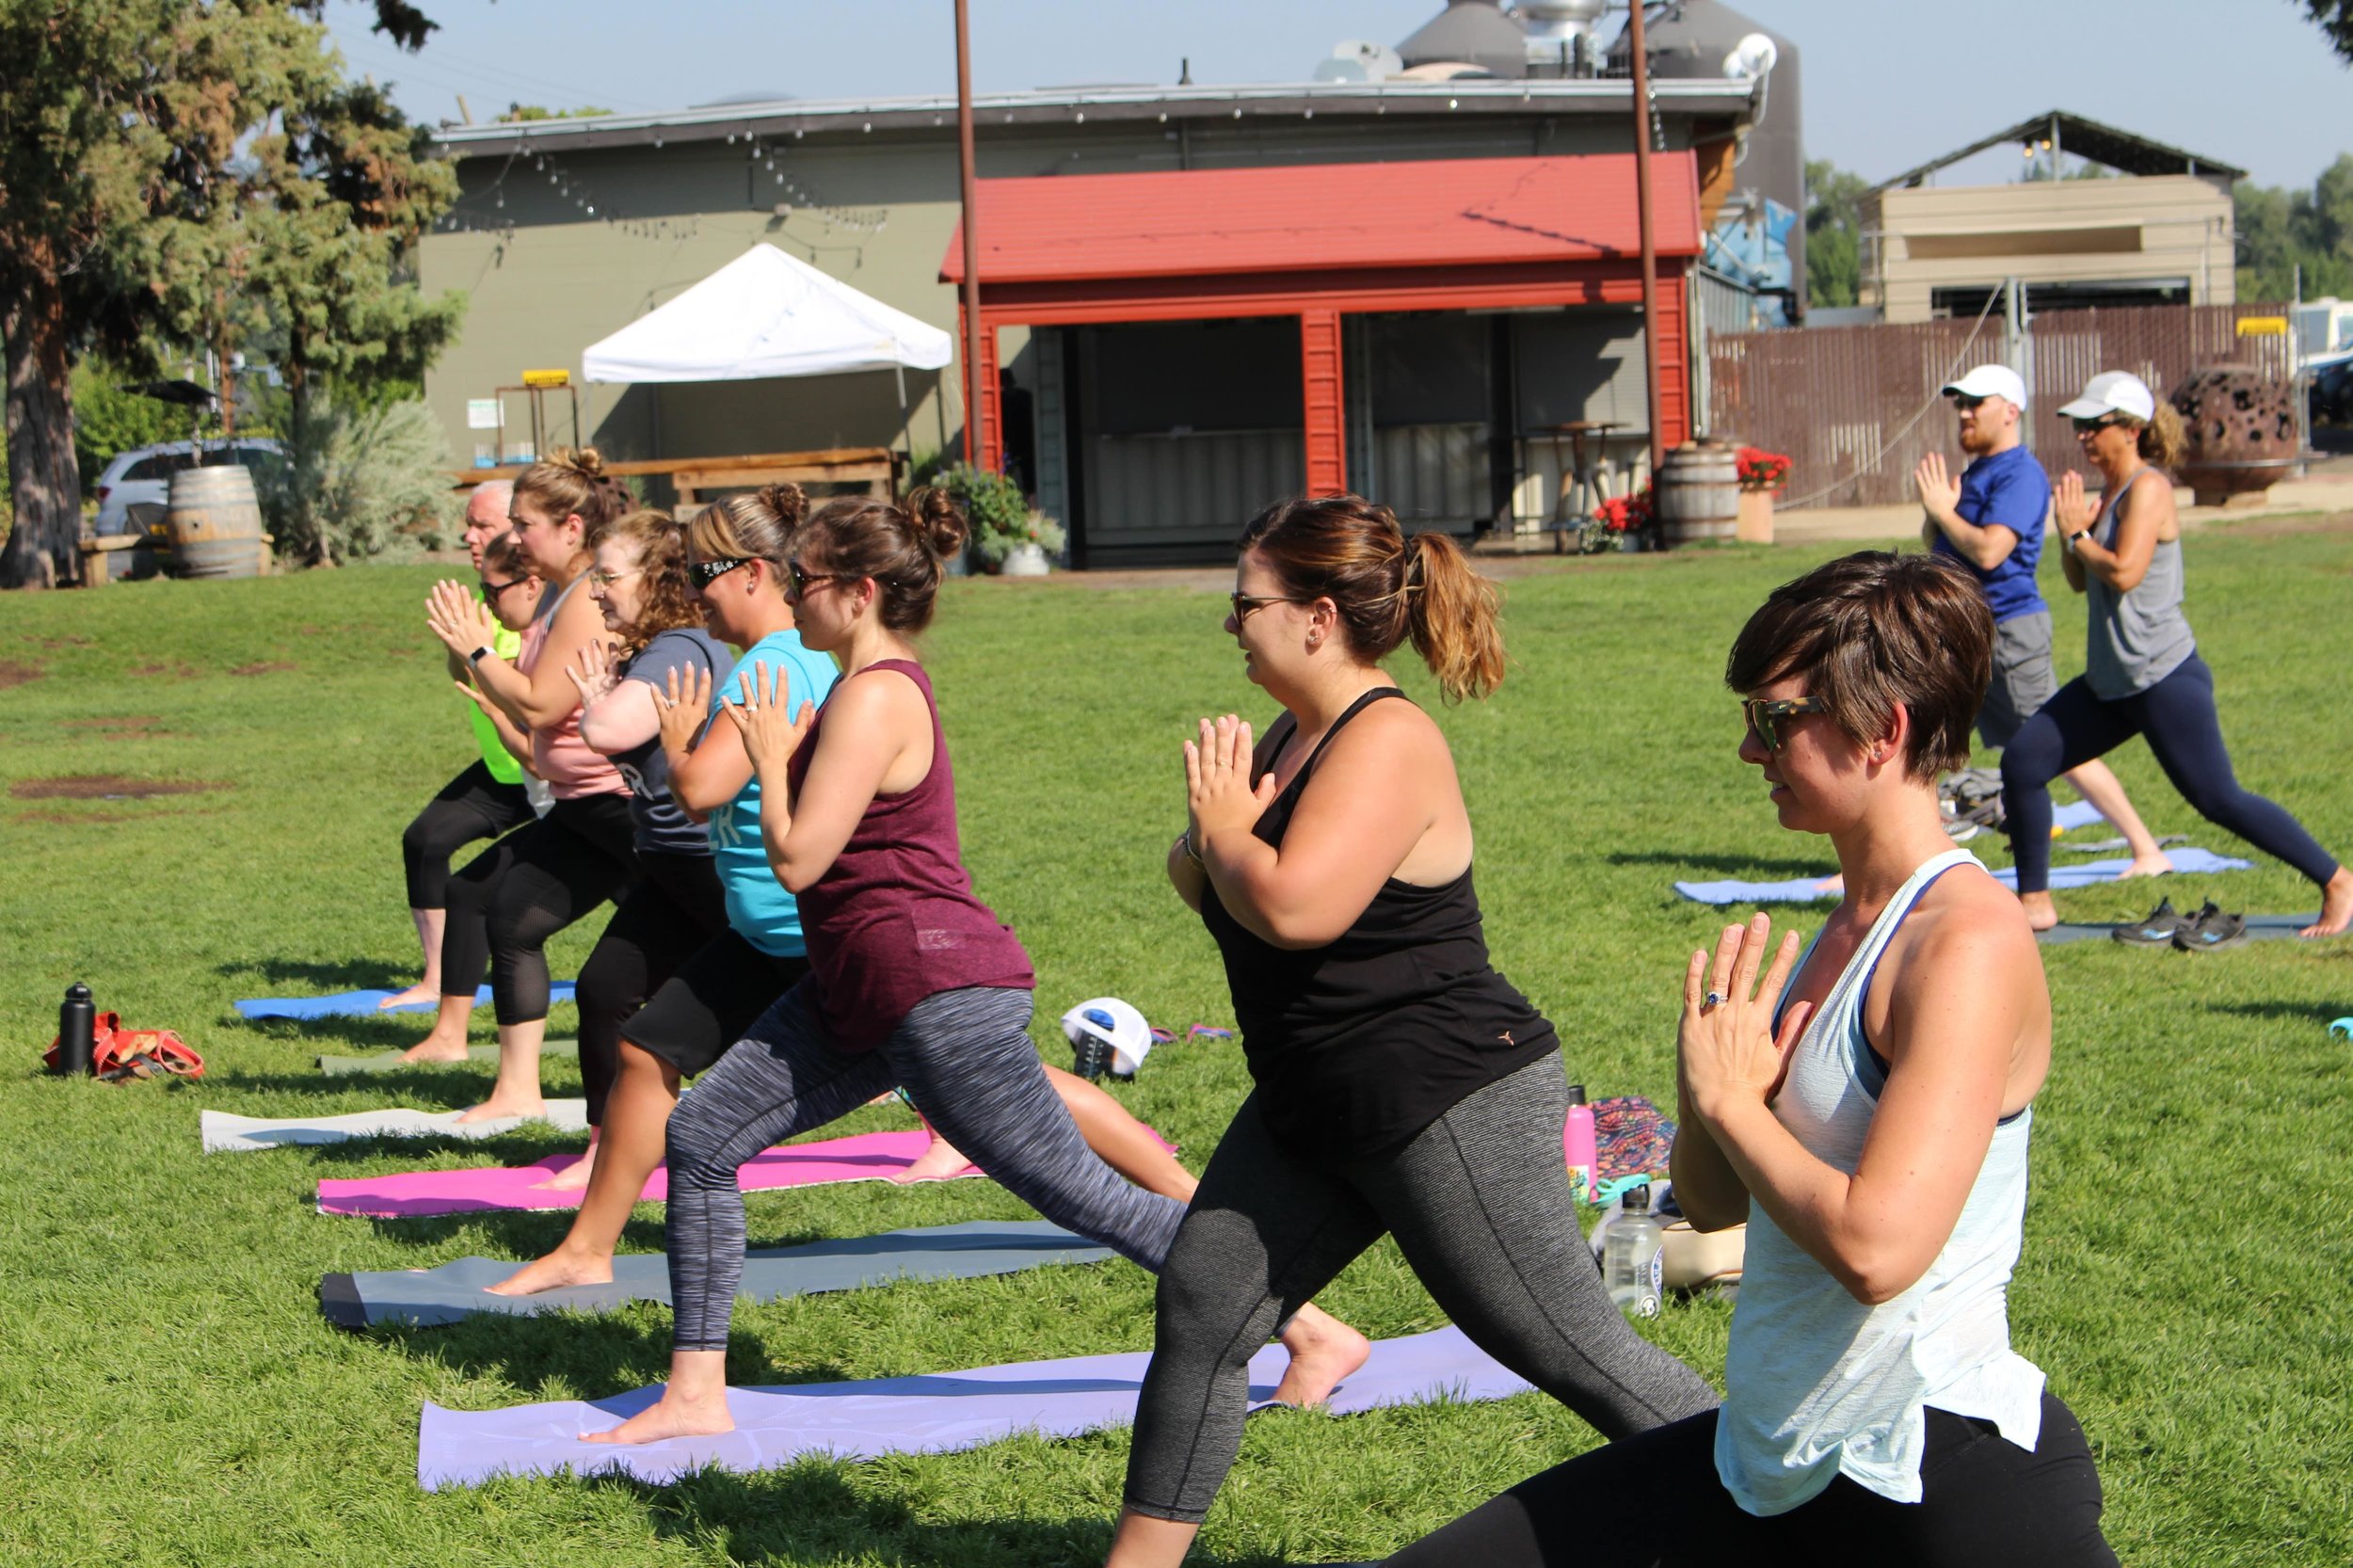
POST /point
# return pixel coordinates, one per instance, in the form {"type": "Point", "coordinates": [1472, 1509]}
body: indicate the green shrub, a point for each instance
{"type": "Point", "coordinates": [1000, 514]}
{"type": "Point", "coordinates": [359, 482]}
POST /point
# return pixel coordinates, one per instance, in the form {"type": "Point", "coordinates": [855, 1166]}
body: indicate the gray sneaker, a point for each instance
{"type": "Point", "coordinates": [2209, 929]}
{"type": "Point", "coordinates": [2155, 930]}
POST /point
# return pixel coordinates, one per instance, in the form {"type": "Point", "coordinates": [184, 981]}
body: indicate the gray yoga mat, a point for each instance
{"type": "Point", "coordinates": [2259, 927]}
{"type": "Point", "coordinates": [390, 1062]}
{"type": "Point", "coordinates": [966, 1251]}
{"type": "Point", "coordinates": [227, 1134]}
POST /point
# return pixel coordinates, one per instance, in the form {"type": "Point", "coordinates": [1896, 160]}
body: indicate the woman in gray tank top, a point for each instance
{"type": "Point", "coordinates": [2142, 675]}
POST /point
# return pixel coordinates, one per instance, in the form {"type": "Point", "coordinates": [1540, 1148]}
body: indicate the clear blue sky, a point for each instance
{"type": "Point", "coordinates": [1889, 82]}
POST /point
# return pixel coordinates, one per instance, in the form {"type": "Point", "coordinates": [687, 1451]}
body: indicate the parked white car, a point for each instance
{"type": "Point", "coordinates": [142, 477]}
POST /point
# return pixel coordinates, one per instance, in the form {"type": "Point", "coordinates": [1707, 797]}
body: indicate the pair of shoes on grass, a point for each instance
{"type": "Point", "coordinates": [2207, 929]}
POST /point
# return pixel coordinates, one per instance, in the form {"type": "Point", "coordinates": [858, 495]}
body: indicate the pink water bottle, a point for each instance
{"type": "Point", "coordinates": [1579, 1145]}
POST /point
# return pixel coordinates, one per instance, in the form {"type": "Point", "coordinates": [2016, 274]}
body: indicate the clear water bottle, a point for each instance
{"type": "Point", "coordinates": [1632, 1260]}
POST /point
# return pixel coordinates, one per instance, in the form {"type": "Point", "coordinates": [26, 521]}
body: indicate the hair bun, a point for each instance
{"type": "Point", "coordinates": [787, 500]}
{"type": "Point", "coordinates": [938, 522]}
{"type": "Point", "coordinates": [586, 461]}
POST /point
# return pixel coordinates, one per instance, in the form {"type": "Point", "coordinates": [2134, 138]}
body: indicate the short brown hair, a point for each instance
{"type": "Point", "coordinates": [1872, 630]}
{"type": "Point", "coordinates": [1385, 586]}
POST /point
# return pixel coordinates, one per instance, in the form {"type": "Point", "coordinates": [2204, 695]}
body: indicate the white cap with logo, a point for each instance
{"type": "Point", "coordinates": [1991, 381]}
{"type": "Point", "coordinates": [2114, 391]}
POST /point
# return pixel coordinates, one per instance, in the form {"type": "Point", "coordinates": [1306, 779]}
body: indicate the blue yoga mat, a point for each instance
{"type": "Point", "coordinates": [2083, 874]}
{"type": "Point", "coordinates": [363, 1004]}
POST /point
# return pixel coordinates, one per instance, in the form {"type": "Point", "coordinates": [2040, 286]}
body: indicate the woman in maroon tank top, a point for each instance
{"type": "Point", "coordinates": [913, 981]}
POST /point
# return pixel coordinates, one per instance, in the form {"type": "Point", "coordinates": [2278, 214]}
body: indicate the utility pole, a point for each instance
{"type": "Point", "coordinates": [973, 391]}
{"type": "Point", "coordinates": [1640, 57]}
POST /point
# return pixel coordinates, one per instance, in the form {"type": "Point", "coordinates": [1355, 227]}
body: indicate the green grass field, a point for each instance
{"type": "Point", "coordinates": [169, 1393]}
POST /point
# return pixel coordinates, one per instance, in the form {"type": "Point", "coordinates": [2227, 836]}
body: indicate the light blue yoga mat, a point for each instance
{"type": "Point", "coordinates": [2083, 874]}
{"type": "Point", "coordinates": [363, 1004]}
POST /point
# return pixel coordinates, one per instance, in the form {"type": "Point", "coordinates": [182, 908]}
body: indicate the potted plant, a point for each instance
{"type": "Point", "coordinates": [1761, 473]}
{"type": "Point", "coordinates": [1623, 520]}
{"type": "Point", "coordinates": [1009, 536]}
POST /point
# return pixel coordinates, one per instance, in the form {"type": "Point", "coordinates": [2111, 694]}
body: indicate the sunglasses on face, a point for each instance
{"type": "Point", "coordinates": [2085, 426]}
{"type": "Point", "coordinates": [799, 580]}
{"type": "Point", "coordinates": [707, 572]}
{"type": "Point", "coordinates": [1762, 715]}
{"type": "Point", "coordinates": [1245, 603]}
{"type": "Point", "coordinates": [495, 589]}
{"type": "Point", "coordinates": [1965, 403]}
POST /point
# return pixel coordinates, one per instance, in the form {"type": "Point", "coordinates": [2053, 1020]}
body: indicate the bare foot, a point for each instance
{"type": "Point", "coordinates": [495, 1109]}
{"type": "Point", "coordinates": [2041, 913]}
{"type": "Point", "coordinates": [1323, 1352]}
{"type": "Point", "coordinates": [572, 1177]}
{"type": "Point", "coordinates": [558, 1269]}
{"type": "Point", "coordinates": [2336, 906]}
{"type": "Point", "coordinates": [674, 1415]}
{"type": "Point", "coordinates": [437, 1047]}
{"type": "Point", "coordinates": [2158, 864]}
{"type": "Point", "coordinates": [938, 1163]}
{"type": "Point", "coordinates": [423, 990]}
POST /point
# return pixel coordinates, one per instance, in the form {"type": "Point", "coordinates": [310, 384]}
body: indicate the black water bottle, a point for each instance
{"type": "Point", "coordinates": [77, 1025]}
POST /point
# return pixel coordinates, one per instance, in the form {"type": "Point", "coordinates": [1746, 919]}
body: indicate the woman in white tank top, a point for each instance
{"type": "Point", "coordinates": [1867, 1111]}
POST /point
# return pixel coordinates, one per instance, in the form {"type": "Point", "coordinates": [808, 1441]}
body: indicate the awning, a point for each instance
{"type": "Point", "coordinates": [1332, 219]}
{"type": "Point", "coordinates": [765, 314]}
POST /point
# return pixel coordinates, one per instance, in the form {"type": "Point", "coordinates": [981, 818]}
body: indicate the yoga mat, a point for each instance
{"type": "Point", "coordinates": [363, 1004]}
{"type": "Point", "coordinates": [414, 1194]}
{"type": "Point", "coordinates": [2083, 873]}
{"type": "Point", "coordinates": [939, 1412]}
{"type": "Point", "coordinates": [2259, 928]}
{"type": "Point", "coordinates": [390, 1062]}
{"type": "Point", "coordinates": [2077, 813]}
{"type": "Point", "coordinates": [227, 1134]}
{"type": "Point", "coordinates": [967, 1250]}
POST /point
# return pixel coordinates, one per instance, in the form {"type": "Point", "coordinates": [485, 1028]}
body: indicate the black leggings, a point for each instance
{"type": "Point", "coordinates": [1653, 1501]}
{"type": "Point", "coordinates": [523, 889]}
{"type": "Point", "coordinates": [1481, 1206]}
{"type": "Point", "coordinates": [2177, 716]}
{"type": "Point", "coordinates": [676, 906]}
{"type": "Point", "coordinates": [471, 805]}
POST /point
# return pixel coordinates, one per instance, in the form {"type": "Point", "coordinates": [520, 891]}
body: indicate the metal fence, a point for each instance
{"type": "Point", "coordinates": [1857, 407]}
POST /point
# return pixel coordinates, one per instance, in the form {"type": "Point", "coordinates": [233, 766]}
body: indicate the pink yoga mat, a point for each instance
{"type": "Point", "coordinates": [868, 1156]}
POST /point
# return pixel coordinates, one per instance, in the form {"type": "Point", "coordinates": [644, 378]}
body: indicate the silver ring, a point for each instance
{"type": "Point", "coordinates": [1715, 999]}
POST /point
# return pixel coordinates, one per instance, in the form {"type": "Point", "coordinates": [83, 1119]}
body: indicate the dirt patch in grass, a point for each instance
{"type": "Point", "coordinates": [101, 819]}
{"type": "Point", "coordinates": [15, 674]}
{"type": "Point", "coordinates": [105, 786]}
{"type": "Point", "coordinates": [69, 640]}
{"type": "Point", "coordinates": [177, 672]}
{"type": "Point", "coordinates": [124, 724]}
{"type": "Point", "coordinates": [275, 667]}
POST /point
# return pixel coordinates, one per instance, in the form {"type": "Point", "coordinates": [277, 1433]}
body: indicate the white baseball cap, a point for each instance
{"type": "Point", "coordinates": [1109, 1021]}
{"type": "Point", "coordinates": [2114, 391]}
{"type": "Point", "coordinates": [1991, 381]}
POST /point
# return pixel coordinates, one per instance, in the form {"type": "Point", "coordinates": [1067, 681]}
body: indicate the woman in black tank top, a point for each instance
{"type": "Point", "coordinates": [1401, 1084]}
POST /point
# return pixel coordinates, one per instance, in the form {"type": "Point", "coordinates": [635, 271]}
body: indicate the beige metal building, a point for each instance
{"type": "Point", "coordinates": [2158, 231]}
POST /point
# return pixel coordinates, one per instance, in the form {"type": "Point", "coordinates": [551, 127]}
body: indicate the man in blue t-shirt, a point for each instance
{"type": "Point", "coordinates": [1991, 521]}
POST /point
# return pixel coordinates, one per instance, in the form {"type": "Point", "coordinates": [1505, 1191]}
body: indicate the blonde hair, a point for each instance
{"type": "Point", "coordinates": [2162, 439]}
{"type": "Point", "coordinates": [1387, 588]}
{"type": "Point", "coordinates": [571, 482]}
{"type": "Point", "coordinates": [754, 527]}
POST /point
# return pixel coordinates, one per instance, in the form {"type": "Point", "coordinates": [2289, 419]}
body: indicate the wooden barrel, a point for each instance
{"type": "Point", "coordinates": [215, 523]}
{"type": "Point", "coordinates": [1699, 493]}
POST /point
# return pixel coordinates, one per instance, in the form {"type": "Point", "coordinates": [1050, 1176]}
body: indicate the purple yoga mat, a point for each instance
{"type": "Point", "coordinates": [932, 1414]}
{"type": "Point", "coordinates": [413, 1194]}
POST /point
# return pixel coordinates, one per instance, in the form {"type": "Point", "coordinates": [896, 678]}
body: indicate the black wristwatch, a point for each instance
{"type": "Point", "coordinates": [480, 654]}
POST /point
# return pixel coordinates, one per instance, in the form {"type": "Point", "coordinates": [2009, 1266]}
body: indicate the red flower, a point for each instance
{"type": "Point", "coordinates": [1627, 513]}
{"type": "Point", "coordinates": [1760, 470]}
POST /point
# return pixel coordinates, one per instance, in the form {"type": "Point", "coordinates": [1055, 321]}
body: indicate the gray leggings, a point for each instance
{"type": "Point", "coordinates": [963, 1057]}
{"type": "Point", "coordinates": [1480, 1203]}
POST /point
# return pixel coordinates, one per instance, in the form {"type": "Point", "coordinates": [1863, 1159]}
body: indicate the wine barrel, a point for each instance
{"type": "Point", "coordinates": [1699, 493]}
{"type": "Point", "coordinates": [215, 523]}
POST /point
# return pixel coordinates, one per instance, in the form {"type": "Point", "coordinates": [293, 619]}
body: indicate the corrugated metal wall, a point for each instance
{"type": "Point", "coordinates": [1856, 408]}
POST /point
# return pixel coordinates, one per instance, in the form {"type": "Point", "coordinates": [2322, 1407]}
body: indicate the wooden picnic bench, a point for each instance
{"type": "Point", "coordinates": [879, 468]}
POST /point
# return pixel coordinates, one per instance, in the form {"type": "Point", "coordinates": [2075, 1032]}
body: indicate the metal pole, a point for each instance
{"type": "Point", "coordinates": [973, 392]}
{"type": "Point", "coordinates": [1650, 251]}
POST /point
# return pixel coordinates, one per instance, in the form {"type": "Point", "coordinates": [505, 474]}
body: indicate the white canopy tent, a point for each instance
{"type": "Point", "coordinates": [764, 314]}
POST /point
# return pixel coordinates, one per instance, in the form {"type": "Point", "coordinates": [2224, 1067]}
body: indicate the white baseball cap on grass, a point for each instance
{"type": "Point", "coordinates": [1107, 1022]}
{"type": "Point", "coordinates": [2114, 391]}
{"type": "Point", "coordinates": [1989, 381]}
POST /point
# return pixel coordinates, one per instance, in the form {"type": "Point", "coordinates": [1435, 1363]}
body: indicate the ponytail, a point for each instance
{"type": "Point", "coordinates": [1450, 613]}
{"type": "Point", "coordinates": [2162, 439]}
{"type": "Point", "coordinates": [1385, 588]}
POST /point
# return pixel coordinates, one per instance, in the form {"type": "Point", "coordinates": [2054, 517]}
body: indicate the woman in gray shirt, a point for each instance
{"type": "Point", "coordinates": [2142, 675]}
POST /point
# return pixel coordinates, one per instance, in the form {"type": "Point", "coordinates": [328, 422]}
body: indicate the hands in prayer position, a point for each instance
{"type": "Point", "coordinates": [770, 736]}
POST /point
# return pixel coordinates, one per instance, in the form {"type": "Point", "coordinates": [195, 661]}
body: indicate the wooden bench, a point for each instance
{"type": "Point", "coordinates": [874, 468]}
